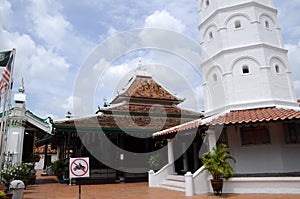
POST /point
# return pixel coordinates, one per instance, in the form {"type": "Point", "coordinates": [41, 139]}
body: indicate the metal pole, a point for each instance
{"type": "Point", "coordinates": [79, 181]}
{"type": "Point", "coordinates": [6, 107]}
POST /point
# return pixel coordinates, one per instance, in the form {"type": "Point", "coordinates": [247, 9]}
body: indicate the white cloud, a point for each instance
{"type": "Point", "coordinates": [101, 65]}
{"type": "Point", "coordinates": [44, 55]}
{"type": "Point", "coordinates": [48, 23]}
{"type": "Point", "coordinates": [294, 62]}
{"type": "Point", "coordinates": [5, 12]}
{"type": "Point", "coordinates": [43, 70]}
{"type": "Point", "coordinates": [112, 31]}
{"type": "Point", "coordinates": [34, 61]}
{"type": "Point", "coordinates": [163, 19]}
{"type": "Point", "coordinates": [48, 65]}
{"type": "Point", "coordinates": [70, 104]}
{"type": "Point", "coordinates": [116, 77]}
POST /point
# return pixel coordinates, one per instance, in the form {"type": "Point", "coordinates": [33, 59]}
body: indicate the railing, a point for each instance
{"type": "Point", "coordinates": [196, 183]}
{"type": "Point", "coordinates": [155, 179]}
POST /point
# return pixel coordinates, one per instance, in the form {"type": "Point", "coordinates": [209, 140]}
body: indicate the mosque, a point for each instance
{"type": "Point", "coordinates": [250, 104]}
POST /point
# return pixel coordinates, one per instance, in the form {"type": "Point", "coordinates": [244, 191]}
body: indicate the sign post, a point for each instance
{"type": "Point", "coordinates": [79, 168]}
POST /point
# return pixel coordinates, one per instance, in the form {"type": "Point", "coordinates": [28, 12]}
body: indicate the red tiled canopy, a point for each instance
{"type": "Point", "coordinates": [255, 115]}
{"type": "Point", "coordinates": [182, 127]}
{"type": "Point", "coordinates": [239, 117]}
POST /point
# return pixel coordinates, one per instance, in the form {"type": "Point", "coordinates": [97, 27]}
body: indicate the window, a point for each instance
{"type": "Point", "coordinates": [255, 135]}
{"type": "Point", "coordinates": [277, 69]}
{"type": "Point", "coordinates": [237, 24]}
{"type": "Point", "coordinates": [207, 3]}
{"type": "Point", "coordinates": [210, 35]}
{"type": "Point", "coordinates": [245, 69]}
{"type": "Point", "coordinates": [267, 25]}
{"type": "Point", "coordinates": [292, 132]}
{"type": "Point", "coordinates": [215, 77]}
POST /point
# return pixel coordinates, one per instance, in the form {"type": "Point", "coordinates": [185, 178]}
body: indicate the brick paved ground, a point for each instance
{"type": "Point", "coordinates": [51, 189]}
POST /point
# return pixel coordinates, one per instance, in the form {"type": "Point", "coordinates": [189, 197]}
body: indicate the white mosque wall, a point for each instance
{"type": "Point", "coordinates": [276, 157]}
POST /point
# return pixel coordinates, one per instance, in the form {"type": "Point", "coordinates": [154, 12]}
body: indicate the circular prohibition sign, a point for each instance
{"type": "Point", "coordinates": [79, 167]}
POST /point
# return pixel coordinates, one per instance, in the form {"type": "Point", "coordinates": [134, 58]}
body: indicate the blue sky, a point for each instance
{"type": "Point", "coordinates": [53, 38]}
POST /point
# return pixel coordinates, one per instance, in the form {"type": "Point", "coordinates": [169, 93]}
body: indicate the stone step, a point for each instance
{"type": "Point", "coordinates": [176, 177]}
{"type": "Point", "coordinates": [173, 182]}
{"type": "Point", "coordinates": [171, 187]}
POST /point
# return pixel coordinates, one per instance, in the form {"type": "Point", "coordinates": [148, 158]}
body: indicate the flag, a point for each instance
{"type": "Point", "coordinates": [5, 80]}
{"type": "Point", "coordinates": [7, 70]}
{"type": "Point", "coordinates": [2, 86]}
{"type": "Point", "coordinates": [4, 57]}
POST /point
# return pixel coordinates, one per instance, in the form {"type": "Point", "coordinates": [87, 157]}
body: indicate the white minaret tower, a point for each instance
{"type": "Point", "coordinates": [244, 63]}
{"type": "Point", "coordinates": [16, 129]}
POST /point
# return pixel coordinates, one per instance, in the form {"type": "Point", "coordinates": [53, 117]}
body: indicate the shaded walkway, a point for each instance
{"type": "Point", "coordinates": [53, 190]}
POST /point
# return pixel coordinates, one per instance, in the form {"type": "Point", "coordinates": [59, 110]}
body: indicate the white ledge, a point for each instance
{"type": "Point", "coordinates": [263, 179]}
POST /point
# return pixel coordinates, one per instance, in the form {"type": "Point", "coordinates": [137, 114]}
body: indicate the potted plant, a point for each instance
{"type": "Point", "coordinates": [58, 167]}
{"type": "Point", "coordinates": [7, 176]}
{"type": "Point", "coordinates": [2, 195]}
{"type": "Point", "coordinates": [14, 172]}
{"type": "Point", "coordinates": [216, 162]}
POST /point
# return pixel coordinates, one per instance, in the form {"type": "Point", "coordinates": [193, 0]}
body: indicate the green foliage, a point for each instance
{"type": "Point", "coordinates": [59, 167]}
{"type": "Point", "coordinates": [217, 162]}
{"type": "Point", "coordinates": [16, 172]}
{"type": "Point", "coordinates": [155, 161]}
{"type": "Point", "coordinates": [2, 195]}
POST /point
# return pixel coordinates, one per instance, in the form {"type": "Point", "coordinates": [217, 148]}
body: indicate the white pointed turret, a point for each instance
{"type": "Point", "coordinates": [244, 64]}
{"type": "Point", "coordinates": [20, 98]}
{"type": "Point", "coordinates": [16, 130]}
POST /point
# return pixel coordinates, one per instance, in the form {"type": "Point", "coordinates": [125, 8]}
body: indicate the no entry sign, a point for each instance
{"type": "Point", "coordinates": [79, 168]}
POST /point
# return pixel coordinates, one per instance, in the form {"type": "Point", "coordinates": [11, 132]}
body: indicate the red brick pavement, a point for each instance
{"type": "Point", "coordinates": [51, 189]}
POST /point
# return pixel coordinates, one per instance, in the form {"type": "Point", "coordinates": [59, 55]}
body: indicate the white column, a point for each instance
{"type": "Point", "coordinates": [189, 188]}
{"type": "Point", "coordinates": [211, 138]}
{"type": "Point", "coordinates": [171, 153]}
{"type": "Point", "coordinates": [185, 159]}
{"type": "Point", "coordinates": [44, 171]}
{"type": "Point", "coordinates": [150, 178]}
{"type": "Point", "coordinates": [14, 142]}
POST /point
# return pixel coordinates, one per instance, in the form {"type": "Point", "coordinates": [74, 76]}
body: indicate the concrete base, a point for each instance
{"type": "Point", "coordinates": [44, 172]}
{"type": "Point", "coordinates": [269, 185]}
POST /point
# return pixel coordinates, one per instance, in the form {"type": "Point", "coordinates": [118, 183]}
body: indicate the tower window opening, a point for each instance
{"type": "Point", "coordinates": [237, 24]}
{"type": "Point", "coordinates": [245, 69]}
{"type": "Point", "coordinates": [277, 69]}
{"type": "Point", "coordinates": [215, 77]}
{"type": "Point", "coordinates": [267, 24]}
{"type": "Point", "coordinates": [210, 35]}
{"type": "Point", "coordinates": [207, 3]}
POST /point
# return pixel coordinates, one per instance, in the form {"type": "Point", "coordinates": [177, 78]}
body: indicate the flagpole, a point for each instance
{"type": "Point", "coordinates": [3, 129]}
{"type": "Point", "coordinates": [11, 78]}
{"type": "Point", "coordinates": [6, 106]}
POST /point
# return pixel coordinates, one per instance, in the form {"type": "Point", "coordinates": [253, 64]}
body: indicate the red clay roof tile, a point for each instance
{"type": "Point", "coordinates": [255, 115]}
{"type": "Point", "coordinates": [241, 117]}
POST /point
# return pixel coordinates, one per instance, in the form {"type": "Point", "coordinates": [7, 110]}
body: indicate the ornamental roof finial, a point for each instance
{"type": "Point", "coordinates": [22, 88]}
